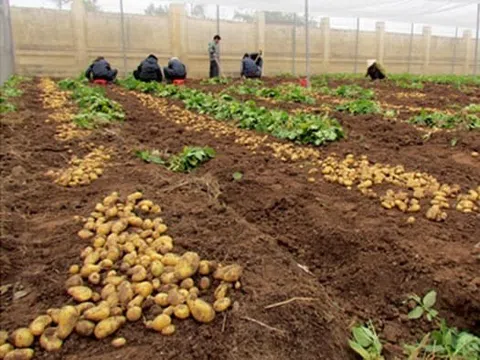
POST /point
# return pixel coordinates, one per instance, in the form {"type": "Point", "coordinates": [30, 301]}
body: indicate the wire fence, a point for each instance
{"type": "Point", "coordinates": [62, 40]}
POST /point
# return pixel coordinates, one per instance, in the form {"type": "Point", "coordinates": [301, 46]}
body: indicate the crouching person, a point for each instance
{"type": "Point", "coordinates": [175, 70]}
{"type": "Point", "coordinates": [250, 69]}
{"type": "Point", "coordinates": [375, 70]}
{"type": "Point", "coordinates": [148, 70]}
{"type": "Point", "coordinates": [100, 70]}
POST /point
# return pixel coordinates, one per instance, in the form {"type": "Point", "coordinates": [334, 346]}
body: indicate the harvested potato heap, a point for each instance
{"type": "Point", "coordinates": [351, 171]}
{"type": "Point", "coordinates": [84, 170]}
{"type": "Point", "coordinates": [129, 272]}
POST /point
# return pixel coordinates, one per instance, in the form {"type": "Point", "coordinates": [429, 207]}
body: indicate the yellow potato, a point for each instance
{"type": "Point", "coordinates": [161, 299]}
{"type": "Point", "coordinates": [54, 314]}
{"type": "Point", "coordinates": [74, 269]}
{"type": "Point", "coordinates": [50, 341]}
{"type": "Point", "coordinates": [160, 322]}
{"type": "Point", "coordinates": [112, 212]}
{"type": "Point", "coordinates": [175, 297]}
{"type": "Point", "coordinates": [125, 293]}
{"type": "Point", "coordinates": [98, 313]}
{"type": "Point", "coordinates": [81, 308]}
{"type": "Point", "coordinates": [106, 264]}
{"type": "Point", "coordinates": [148, 224]}
{"type": "Point", "coordinates": [170, 259]}
{"type": "Point", "coordinates": [156, 268]}
{"type": "Point", "coordinates": [108, 326]}
{"type": "Point", "coordinates": [80, 293]}
{"type": "Point", "coordinates": [22, 338]}
{"type": "Point", "coordinates": [222, 304]}
{"type": "Point", "coordinates": [20, 354]}
{"type": "Point", "coordinates": [107, 290]}
{"type": "Point", "coordinates": [89, 269]}
{"type": "Point", "coordinates": [168, 330]}
{"type": "Point", "coordinates": [187, 265]}
{"type": "Point", "coordinates": [181, 311]}
{"type": "Point", "coordinates": [37, 326]}
{"type": "Point", "coordinates": [204, 283]}
{"type": "Point", "coordinates": [134, 313]}
{"type": "Point", "coordinates": [113, 299]}
{"type": "Point", "coordinates": [156, 284]}
{"type": "Point", "coordinates": [201, 310]}
{"type": "Point", "coordinates": [84, 327]}
{"type": "Point", "coordinates": [204, 267]}
{"type": "Point", "coordinates": [5, 349]}
{"type": "Point", "coordinates": [137, 301]}
{"type": "Point", "coordinates": [104, 229]}
{"type": "Point", "coordinates": [119, 226]}
{"type": "Point", "coordinates": [168, 278]}
{"type": "Point", "coordinates": [114, 280]}
{"type": "Point", "coordinates": [187, 283]}
{"type": "Point", "coordinates": [134, 197]}
{"type": "Point", "coordinates": [135, 221]}
{"type": "Point", "coordinates": [230, 273]}
{"type": "Point", "coordinates": [75, 280]}
{"type": "Point", "coordinates": [169, 310]}
{"type": "Point", "coordinates": [119, 342]}
{"type": "Point", "coordinates": [116, 311]}
{"type": "Point", "coordinates": [144, 288]}
{"type": "Point", "coordinates": [194, 290]}
{"type": "Point", "coordinates": [221, 291]}
{"type": "Point", "coordinates": [85, 234]}
{"type": "Point", "coordinates": [138, 273]}
{"type": "Point", "coordinates": [98, 242]}
{"type": "Point", "coordinates": [111, 199]}
{"type": "Point", "coordinates": [67, 319]}
{"type": "Point", "coordinates": [3, 337]}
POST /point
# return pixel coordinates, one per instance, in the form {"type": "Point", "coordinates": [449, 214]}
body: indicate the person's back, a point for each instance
{"type": "Point", "coordinates": [148, 70]}
{"type": "Point", "coordinates": [375, 70]}
{"type": "Point", "coordinates": [175, 70]}
{"type": "Point", "coordinates": [100, 69]}
{"type": "Point", "coordinates": [249, 68]}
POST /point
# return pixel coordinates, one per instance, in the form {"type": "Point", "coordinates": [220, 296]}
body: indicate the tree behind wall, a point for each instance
{"type": "Point", "coordinates": [153, 10]}
{"type": "Point", "coordinates": [90, 5]}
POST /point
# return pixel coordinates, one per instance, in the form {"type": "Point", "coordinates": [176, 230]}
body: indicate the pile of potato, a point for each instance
{"type": "Point", "coordinates": [351, 171]}
{"type": "Point", "coordinates": [128, 273]}
{"type": "Point", "coordinates": [52, 97]}
{"type": "Point", "coordinates": [83, 170]}
{"type": "Point", "coordinates": [68, 131]}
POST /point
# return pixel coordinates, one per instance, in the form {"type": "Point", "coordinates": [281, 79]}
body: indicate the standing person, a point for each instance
{"type": "Point", "coordinates": [100, 69]}
{"type": "Point", "coordinates": [250, 69]}
{"type": "Point", "coordinates": [214, 53]}
{"type": "Point", "coordinates": [375, 70]}
{"type": "Point", "coordinates": [148, 70]}
{"type": "Point", "coordinates": [175, 70]}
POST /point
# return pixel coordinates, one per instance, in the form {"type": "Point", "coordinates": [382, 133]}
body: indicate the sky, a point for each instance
{"type": "Point", "coordinates": [138, 6]}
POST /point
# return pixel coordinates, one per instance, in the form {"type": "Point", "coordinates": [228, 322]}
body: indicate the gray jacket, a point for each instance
{"type": "Point", "coordinates": [214, 51]}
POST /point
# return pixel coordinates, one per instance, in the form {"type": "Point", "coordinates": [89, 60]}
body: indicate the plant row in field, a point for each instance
{"type": "Point", "coordinates": [302, 128]}
{"type": "Point", "coordinates": [8, 90]}
{"type": "Point", "coordinates": [468, 118]}
{"type": "Point", "coordinates": [96, 108]}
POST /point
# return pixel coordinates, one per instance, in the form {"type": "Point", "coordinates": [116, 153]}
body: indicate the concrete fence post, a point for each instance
{"type": "Point", "coordinates": [260, 36]}
{"type": "Point", "coordinates": [325, 27]}
{"type": "Point", "coordinates": [467, 39]}
{"type": "Point", "coordinates": [380, 34]}
{"type": "Point", "coordinates": [427, 43]}
{"type": "Point", "coordinates": [79, 18]}
{"type": "Point", "coordinates": [177, 18]}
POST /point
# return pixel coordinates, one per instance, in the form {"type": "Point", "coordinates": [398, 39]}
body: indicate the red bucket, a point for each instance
{"type": "Point", "coordinates": [304, 82]}
{"type": "Point", "coordinates": [100, 82]}
{"type": "Point", "coordinates": [179, 82]}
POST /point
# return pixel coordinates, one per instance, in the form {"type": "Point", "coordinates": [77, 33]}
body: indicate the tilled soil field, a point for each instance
{"type": "Point", "coordinates": [345, 256]}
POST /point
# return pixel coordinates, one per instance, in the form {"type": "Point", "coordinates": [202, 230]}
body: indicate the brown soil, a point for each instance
{"type": "Point", "coordinates": [364, 259]}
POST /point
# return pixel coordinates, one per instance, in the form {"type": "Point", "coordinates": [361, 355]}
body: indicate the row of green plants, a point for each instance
{"type": "Point", "coordinates": [8, 90]}
{"type": "Point", "coordinates": [442, 343]}
{"type": "Point", "coordinates": [302, 128]}
{"type": "Point", "coordinates": [185, 161]}
{"type": "Point", "coordinates": [287, 92]}
{"type": "Point", "coordinates": [467, 118]}
{"type": "Point", "coordinates": [96, 109]}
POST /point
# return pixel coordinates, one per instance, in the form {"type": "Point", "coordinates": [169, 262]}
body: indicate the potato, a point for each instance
{"type": "Point", "coordinates": [5, 349]}
{"type": "Point", "coordinates": [135, 221]}
{"type": "Point", "coordinates": [75, 280]}
{"type": "Point", "coordinates": [139, 273]}
{"type": "Point", "coordinates": [119, 226]}
{"type": "Point", "coordinates": [160, 322]}
{"type": "Point", "coordinates": [137, 301]}
{"type": "Point", "coordinates": [84, 327]}
{"type": "Point", "coordinates": [50, 341]}
{"type": "Point", "coordinates": [111, 199]}
{"type": "Point", "coordinates": [119, 342]}
{"type": "Point", "coordinates": [156, 283]}
{"type": "Point", "coordinates": [22, 338]}
{"type": "Point", "coordinates": [204, 283]}
{"type": "Point", "coordinates": [80, 293]}
{"type": "Point", "coordinates": [114, 280]}
{"type": "Point", "coordinates": [89, 269]}
{"type": "Point", "coordinates": [170, 259]}
{"type": "Point", "coordinates": [161, 228]}
{"type": "Point", "coordinates": [54, 314]}
{"type": "Point", "coordinates": [187, 265]}
{"type": "Point", "coordinates": [74, 269]}
{"type": "Point", "coordinates": [144, 288]}
{"type": "Point", "coordinates": [20, 354]}
{"type": "Point", "coordinates": [187, 283]}
{"type": "Point", "coordinates": [94, 278]}
{"type": "Point", "coordinates": [67, 319]}
{"type": "Point", "coordinates": [204, 267]}
{"type": "Point", "coordinates": [3, 337]}
{"type": "Point", "coordinates": [168, 278]}
{"type": "Point", "coordinates": [85, 234]}
{"type": "Point", "coordinates": [112, 212]}
{"type": "Point", "coordinates": [37, 326]}
{"type": "Point", "coordinates": [81, 308]}
{"type": "Point", "coordinates": [134, 197]}
{"type": "Point", "coordinates": [168, 330]}
{"type": "Point", "coordinates": [108, 326]}
{"type": "Point", "coordinates": [116, 311]}
{"type": "Point", "coordinates": [161, 299]}
{"type": "Point", "coordinates": [222, 304]}
{"type": "Point", "coordinates": [194, 290]}
{"type": "Point", "coordinates": [169, 310]}
{"type": "Point", "coordinates": [175, 297]}
{"type": "Point", "coordinates": [229, 273]}
{"type": "Point", "coordinates": [107, 290]}
{"type": "Point", "coordinates": [221, 291]}
{"type": "Point", "coordinates": [201, 310]}
{"type": "Point", "coordinates": [125, 293]}
{"type": "Point", "coordinates": [113, 299]}
{"type": "Point", "coordinates": [134, 313]}
{"type": "Point", "coordinates": [181, 311]}
{"type": "Point", "coordinates": [98, 313]}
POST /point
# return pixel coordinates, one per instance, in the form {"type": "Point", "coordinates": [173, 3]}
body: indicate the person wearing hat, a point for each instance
{"type": "Point", "coordinates": [375, 70]}
{"type": "Point", "coordinates": [100, 70]}
{"type": "Point", "coordinates": [214, 53]}
{"type": "Point", "coordinates": [175, 70]}
{"type": "Point", "coordinates": [148, 70]}
{"type": "Point", "coordinates": [250, 69]}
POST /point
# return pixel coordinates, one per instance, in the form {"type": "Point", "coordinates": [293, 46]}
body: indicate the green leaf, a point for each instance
{"type": "Point", "coordinates": [416, 313]}
{"type": "Point", "coordinates": [359, 350]}
{"type": "Point", "coordinates": [362, 336]}
{"type": "Point", "coordinates": [237, 176]}
{"type": "Point", "coordinates": [430, 299]}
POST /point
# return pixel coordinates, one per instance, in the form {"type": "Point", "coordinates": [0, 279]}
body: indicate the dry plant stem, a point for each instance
{"type": "Point", "coordinates": [263, 324]}
{"type": "Point", "coordinates": [224, 322]}
{"type": "Point", "coordinates": [289, 301]}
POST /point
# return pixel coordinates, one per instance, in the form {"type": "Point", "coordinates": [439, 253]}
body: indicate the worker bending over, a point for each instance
{"type": "Point", "coordinates": [250, 69]}
{"type": "Point", "coordinates": [175, 70]}
{"type": "Point", "coordinates": [148, 70]}
{"type": "Point", "coordinates": [100, 69]}
{"type": "Point", "coordinates": [375, 70]}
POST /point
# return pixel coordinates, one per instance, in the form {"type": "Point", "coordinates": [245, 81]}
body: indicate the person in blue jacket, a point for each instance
{"type": "Point", "coordinates": [175, 70]}
{"type": "Point", "coordinates": [249, 68]}
{"type": "Point", "coordinates": [100, 69]}
{"type": "Point", "coordinates": [148, 70]}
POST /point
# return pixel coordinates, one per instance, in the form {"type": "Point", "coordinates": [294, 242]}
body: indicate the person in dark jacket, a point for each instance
{"type": "Point", "coordinates": [257, 57]}
{"type": "Point", "coordinates": [175, 70]}
{"type": "Point", "coordinates": [249, 68]}
{"type": "Point", "coordinates": [375, 70]}
{"type": "Point", "coordinates": [148, 70]}
{"type": "Point", "coordinates": [100, 69]}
